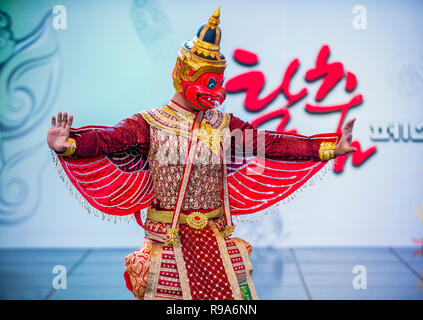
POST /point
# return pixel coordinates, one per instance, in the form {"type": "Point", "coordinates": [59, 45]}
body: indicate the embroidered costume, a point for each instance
{"type": "Point", "coordinates": [191, 169]}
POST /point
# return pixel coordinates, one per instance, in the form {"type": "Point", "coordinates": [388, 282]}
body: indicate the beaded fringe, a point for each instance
{"type": "Point", "coordinates": [261, 215]}
{"type": "Point", "coordinates": [83, 202]}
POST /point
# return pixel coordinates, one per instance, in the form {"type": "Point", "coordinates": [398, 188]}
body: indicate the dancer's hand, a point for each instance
{"type": "Point", "coordinates": [58, 134]}
{"type": "Point", "coordinates": [344, 144]}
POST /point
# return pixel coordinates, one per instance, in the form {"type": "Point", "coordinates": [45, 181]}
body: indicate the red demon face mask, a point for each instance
{"type": "Point", "coordinates": [202, 93]}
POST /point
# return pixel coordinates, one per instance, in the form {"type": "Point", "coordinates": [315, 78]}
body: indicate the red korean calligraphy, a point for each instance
{"type": "Point", "coordinates": [330, 75]}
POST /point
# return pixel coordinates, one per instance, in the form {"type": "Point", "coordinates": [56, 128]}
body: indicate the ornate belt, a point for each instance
{"type": "Point", "coordinates": [196, 219]}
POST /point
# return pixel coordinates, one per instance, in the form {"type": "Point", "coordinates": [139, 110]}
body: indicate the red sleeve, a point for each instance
{"type": "Point", "coordinates": [276, 145]}
{"type": "Point", "coordinates": [130, 132]}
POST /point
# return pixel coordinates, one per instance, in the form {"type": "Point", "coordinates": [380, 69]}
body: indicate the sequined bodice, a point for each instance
{"type": "Point", "coordinates": [166, 158]}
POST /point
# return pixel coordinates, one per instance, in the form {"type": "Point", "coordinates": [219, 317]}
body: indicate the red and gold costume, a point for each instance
{"type": "Point", "coordinates": [192, 169]}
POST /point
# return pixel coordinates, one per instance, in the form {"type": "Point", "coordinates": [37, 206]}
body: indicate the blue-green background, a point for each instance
{"type": "Point", "coordinates": [106, 66]}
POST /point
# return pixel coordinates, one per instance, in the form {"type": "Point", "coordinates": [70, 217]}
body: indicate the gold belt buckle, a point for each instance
{"type": "Point", "coordinates": [197, 220]}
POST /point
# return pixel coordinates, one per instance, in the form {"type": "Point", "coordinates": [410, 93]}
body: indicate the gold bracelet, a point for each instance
{"type": "Point", "coordinates": [69, 151]}
{"type": "Point", "coordinates": [327, 151]}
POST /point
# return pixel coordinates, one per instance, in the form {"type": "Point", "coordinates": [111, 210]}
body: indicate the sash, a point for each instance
{"type": "Point", "coordinates": [172, 233]}
{"type": "Point", "coordinates": [229, 228]}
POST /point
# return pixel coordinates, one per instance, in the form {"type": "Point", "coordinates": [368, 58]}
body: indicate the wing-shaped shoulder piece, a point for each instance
{"type": "Point", "coordinates": [255, 184]}
{"type": "Point", "coordinates": [116, 184]}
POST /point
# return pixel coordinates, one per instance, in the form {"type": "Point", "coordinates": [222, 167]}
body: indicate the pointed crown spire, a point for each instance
{"type": "Point", "coordinates": [214, 19]}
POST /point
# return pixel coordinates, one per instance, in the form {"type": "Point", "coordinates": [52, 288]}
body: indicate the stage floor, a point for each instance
{"type": "Point", "coordinates": [297, 273]}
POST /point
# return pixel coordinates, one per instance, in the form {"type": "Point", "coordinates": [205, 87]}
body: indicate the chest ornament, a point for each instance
{"type": "Point", "coordinates": [210, 131]}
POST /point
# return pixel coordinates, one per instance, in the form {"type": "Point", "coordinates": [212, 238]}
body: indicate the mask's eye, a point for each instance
{"type": "Point", "coordinates": [221, 84]}
{"type": "Point", "coordinates": [212, 83]}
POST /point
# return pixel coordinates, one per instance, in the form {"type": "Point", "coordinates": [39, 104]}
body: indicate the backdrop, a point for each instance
{"type": "Point", "coordinates": [303, 66]}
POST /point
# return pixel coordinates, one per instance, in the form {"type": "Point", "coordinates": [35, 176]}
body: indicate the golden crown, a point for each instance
{"type": "Point", "coordinates": [201, 54]}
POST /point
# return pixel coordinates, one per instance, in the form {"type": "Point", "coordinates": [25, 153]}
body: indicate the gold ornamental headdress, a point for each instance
{"type": "Point", "coordinates": [201, 54]}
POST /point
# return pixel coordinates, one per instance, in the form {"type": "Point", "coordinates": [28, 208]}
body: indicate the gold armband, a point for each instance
{"type": "Point", "coordinates": [171, 237]}
{"type": "Point", "coordinates": [327, 151]}
{"type": "Point", "coordinates": [69, 151]}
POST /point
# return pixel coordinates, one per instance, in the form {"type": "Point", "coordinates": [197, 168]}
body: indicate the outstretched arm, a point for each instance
{"type": "Point", "coordinates": [130, 132]}
{"type": "Point", "coordinates": [285, 146]}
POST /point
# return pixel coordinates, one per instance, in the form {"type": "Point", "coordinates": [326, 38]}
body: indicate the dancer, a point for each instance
{"type": "Point", "coordinates": [191, 167]}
